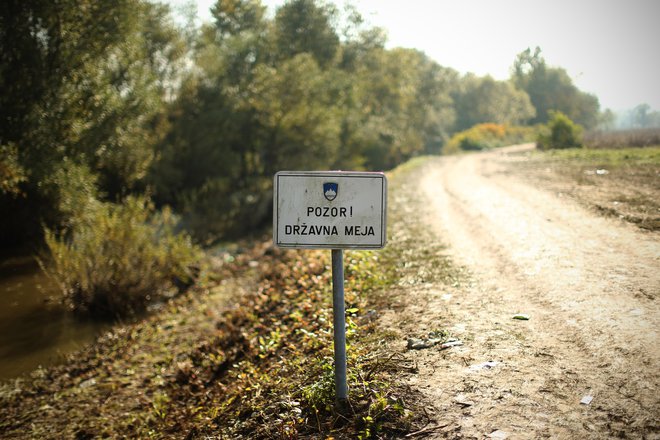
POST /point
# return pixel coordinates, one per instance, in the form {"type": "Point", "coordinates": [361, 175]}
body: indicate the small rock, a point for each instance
{"type": "Point", "coordinates": [500, 435]}
{"type": "Point", "coordinates": [433, 338]}
{"type": "Point", "coordinates": [484, 365]}
{"type": "Point", "coordinates": [463, 401]}
{"type": "Point", "coordinates": [521, 316]}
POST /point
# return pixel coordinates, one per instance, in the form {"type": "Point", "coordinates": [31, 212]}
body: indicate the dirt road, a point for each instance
{"type": "Point", "coordinates": [589, 284]}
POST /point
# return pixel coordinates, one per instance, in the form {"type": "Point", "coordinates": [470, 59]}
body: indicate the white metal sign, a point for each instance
{"type": "Point", "coordinates": [330, 209]}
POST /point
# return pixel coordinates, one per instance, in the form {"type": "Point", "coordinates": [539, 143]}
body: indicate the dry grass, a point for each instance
{"type": "Point", "coordinates": [646, 137]}
{"type": "Point", "coordinates": [261, 368]}
{"type": "Point", "coordinates": [616, 182]}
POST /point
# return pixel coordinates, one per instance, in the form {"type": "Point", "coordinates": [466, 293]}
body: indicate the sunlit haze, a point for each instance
{"type": "Point", "coordinates": [609, 48]}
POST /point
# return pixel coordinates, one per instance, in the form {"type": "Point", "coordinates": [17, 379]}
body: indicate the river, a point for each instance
{"type": "Point", "coordinates": [35, 329]}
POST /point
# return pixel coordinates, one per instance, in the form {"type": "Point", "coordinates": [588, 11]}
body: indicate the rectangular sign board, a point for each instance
{"type": "Point", "coordinates": [329, 210]}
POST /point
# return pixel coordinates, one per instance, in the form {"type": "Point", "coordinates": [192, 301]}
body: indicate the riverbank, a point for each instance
{"type": "Point", "coordinates": [247, 354]}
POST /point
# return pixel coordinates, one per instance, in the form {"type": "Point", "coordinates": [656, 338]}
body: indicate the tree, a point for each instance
{"type": "Point", "coordinates": [288, 93]}
{"type": "Point", "coordinates": [404, 106]}
{"type": "Point", "coordinates": [606, 120]}
{"type": "Point", "coordinates": [235, 16]}
{"type": "Point", "coordinates": [295, 112]}
{"type": "Point", "coordinates": [305, 26]}
{"type": "Point", "coordinates": [83, 84]}
{"type": "Point", "coordinates": [551, 88]}
{"type": "Point", "coordinates": [479, 100]}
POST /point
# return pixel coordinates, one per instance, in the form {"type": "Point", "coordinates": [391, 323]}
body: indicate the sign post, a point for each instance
{"type": "Point", "coordinates": [334, 210]}
{"type": "Point", "coordinates": [339, 323]}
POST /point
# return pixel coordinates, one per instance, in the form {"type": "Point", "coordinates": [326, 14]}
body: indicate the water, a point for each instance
{"type": "Point", "coordinates": [35, 329]}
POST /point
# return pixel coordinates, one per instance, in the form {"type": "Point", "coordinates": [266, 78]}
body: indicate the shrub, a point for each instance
{"type": "Point", "coordinates": [561, 132]}
{"type": "Point", "coordinates": [215, 211]}
{"type": "Point", "coordinates": [488, 135]}
{"type": "Point", "coordinates": [119, 258]}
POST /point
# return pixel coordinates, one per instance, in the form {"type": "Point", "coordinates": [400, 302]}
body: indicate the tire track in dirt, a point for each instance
{"type": "Point", "coordinates": [594, 269]}
{"type": "Point", "coordinates": [590, 285]}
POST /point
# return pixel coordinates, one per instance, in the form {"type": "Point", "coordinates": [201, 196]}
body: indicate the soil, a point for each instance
{"type": "Point", "coordinates": [473, 241]}
{"type": "Point", "coordinates": [610, 182]}
{"type": "Point", "coordinates": [585, 363]}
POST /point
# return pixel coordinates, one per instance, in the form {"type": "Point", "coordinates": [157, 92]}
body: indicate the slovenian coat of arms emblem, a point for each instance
{"type": "Point", "coordinates": [330, 190]}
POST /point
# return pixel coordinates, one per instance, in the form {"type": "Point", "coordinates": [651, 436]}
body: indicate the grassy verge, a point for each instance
{"type": "Point", "coordinates": [247, 355]}
{"type": "Point", "coordinates": [414, 252]}
{"type": "Point", "coordinates": [621, 182]}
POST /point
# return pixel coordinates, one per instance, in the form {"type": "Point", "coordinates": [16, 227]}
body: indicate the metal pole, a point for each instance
{"type": "Point", "coordinates": [339, 321]}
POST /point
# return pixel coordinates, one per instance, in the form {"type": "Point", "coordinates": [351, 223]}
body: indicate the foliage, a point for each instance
{"type": "Point", "coordinates": [263, 101]}
{"type": "Point", "coordinates": [273, 358]}
{"type": "Point", "coordinates": [201, 118]}
{"type": "Point", "coordinates": [11, 172]}
{"type": "Point", "coordinates": [561, 132]}
{"type": "Point", "coordinates": [83, 85]}
{"type": "Point", "coordinates": [480, 100]}
{"type": "Point", "coordinates": [260, 368]}
{"type": "Point", "coordinates": [305, 26]}
{"type": "Point", "coordinates": [248, 354]}
{"type": "Point", "coordinates": [551, 89]}
{"type": "Point", "coordinates": [235, 16]}
{"type": "Point", "coordinates": [406, 107]}
{"type": "Point", "coordinates": [606, 120]}
{"type": "Point", "coordinates": [119, 258]}
{"type": "Point", "coordinates": [219, 209]}
{"type": "Point", "coordinates": [487, 136]}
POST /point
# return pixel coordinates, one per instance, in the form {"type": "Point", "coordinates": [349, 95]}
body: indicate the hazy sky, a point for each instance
{"type": "Point", "coordinates": [610, 48]}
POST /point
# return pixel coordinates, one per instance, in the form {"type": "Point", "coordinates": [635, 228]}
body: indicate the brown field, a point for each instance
{"type": "Point", "coordinates": [623, 138]}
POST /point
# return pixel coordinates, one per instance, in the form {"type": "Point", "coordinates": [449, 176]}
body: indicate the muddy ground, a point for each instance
{"type": "Point", "coordinates": [585, 363]}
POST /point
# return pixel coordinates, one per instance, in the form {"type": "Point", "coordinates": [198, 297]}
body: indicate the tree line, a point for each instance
{"type": "Point", "coordinates": [105, 101]}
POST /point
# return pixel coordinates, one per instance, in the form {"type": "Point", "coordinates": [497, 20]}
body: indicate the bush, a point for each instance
{"type": "Point", "coordinates": [488, 135]}
{"type": "Point", "coordinates": [217, 211]}
{"type": "Point", "coordinates": [561, 132]}
{"type": "Point", "coordinates": [119, 258]}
